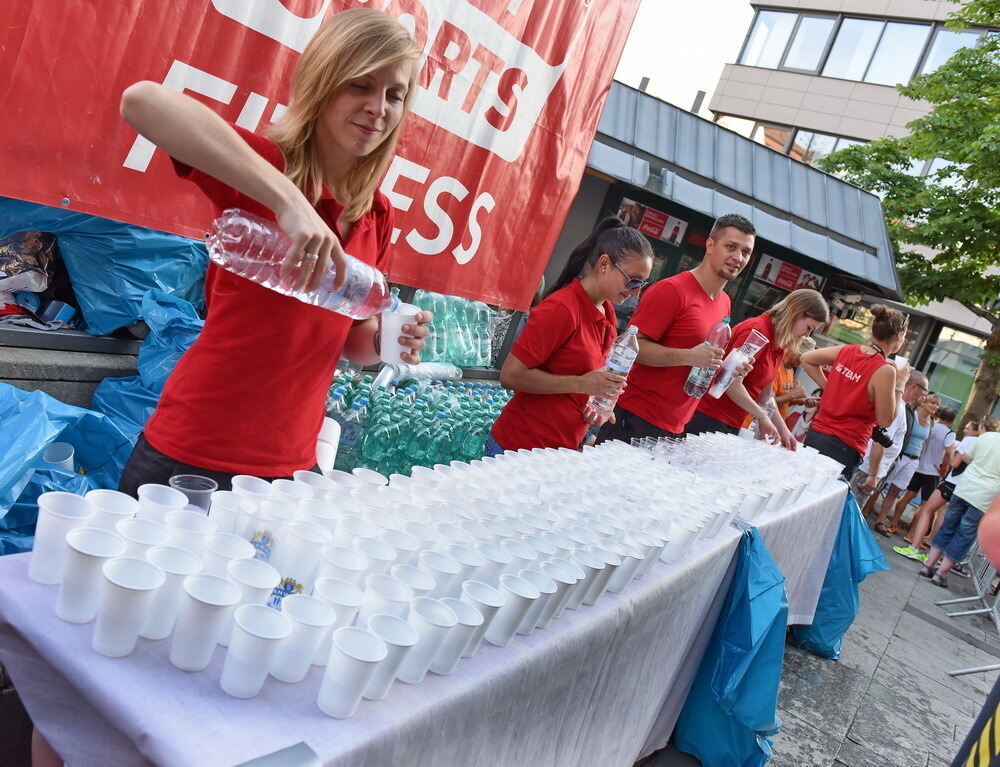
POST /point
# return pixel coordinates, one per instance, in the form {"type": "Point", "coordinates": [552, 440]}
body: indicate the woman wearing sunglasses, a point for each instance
{"type": "Point", "coordinates": [796, 316]}
{"type": "Point", "coordinates": [556, 363]}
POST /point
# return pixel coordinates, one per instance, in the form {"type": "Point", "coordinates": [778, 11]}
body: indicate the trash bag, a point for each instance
{"type": "Point", "coordinates": [126, 402]}
{"type": "Point", "coordinates": [112, 264]}
{"type": "Point", "coordinates": [25, 258]}
{"type": "Point", "coordinates": [730, 715]}
{"type": "Point", "coordinates": [30, 422]}
{"type": "Point", "coordinates": [17, 527]}
{"type": "Point", "coordinates": [855, 556]}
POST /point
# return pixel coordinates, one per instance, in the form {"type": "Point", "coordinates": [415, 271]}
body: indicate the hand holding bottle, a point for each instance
{"type": "Point", "coordinates": [601, 383]}
{"type": "Point", "coordinates": [706, 356]}
{"type": "Point", "coordinates": [313, 245]}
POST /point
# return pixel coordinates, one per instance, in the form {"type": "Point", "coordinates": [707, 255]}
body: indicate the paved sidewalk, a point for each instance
{"type": "Point", "coordinates": [888, 702]}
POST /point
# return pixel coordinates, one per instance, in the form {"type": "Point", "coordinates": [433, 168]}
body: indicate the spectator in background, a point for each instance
{"type": "Point", "coordinates": [788, 392]}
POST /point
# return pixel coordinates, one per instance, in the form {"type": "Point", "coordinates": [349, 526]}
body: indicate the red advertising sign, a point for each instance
{"type": "Point", "coordinates": [509, 98]}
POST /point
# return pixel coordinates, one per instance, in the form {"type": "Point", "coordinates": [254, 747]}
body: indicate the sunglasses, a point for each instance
{"type": "Point", "coordinates": [631, 283]}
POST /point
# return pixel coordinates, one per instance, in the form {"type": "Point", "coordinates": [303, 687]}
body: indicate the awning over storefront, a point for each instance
{"type": "Point", "coordinates": [696, 163]}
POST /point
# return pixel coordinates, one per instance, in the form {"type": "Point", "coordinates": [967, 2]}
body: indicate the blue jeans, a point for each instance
{"type": "Point", "coordinates": [491, 448]}
{"type": "Point", "coordinates": [958, 531]}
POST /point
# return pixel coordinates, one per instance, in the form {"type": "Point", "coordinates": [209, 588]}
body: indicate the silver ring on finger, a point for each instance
{"type": "Point", "coordinates": [310, 256]}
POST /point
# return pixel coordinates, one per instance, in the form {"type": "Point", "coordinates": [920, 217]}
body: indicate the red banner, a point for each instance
{"type": "Point", "coordinates": [510, 95]}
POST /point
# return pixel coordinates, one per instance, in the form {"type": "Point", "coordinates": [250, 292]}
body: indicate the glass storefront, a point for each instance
{"type": "Point", "coordinates": [952, 364]}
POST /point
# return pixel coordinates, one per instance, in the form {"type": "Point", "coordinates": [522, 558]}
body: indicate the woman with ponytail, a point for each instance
{"type": "Point", "coordinates": [557, 361]}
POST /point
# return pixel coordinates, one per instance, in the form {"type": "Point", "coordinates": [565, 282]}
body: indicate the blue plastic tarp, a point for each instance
{"type": "Point", "coordinates": [112, 264]}
{"type": "Point", "coordinates": [730, 715]}
{"type": "Point", "coordinates": [855, 556]}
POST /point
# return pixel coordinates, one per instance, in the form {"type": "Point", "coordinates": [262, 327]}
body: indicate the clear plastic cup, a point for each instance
{"type": "Point", "coordinates": [88, 548]}
{"type": "Point", "coordinates": [518, 595]}
{"type": "Point", "coordinates": [205, 604]}
{"type": "Point", "coordinates": [256, 632]}
{"type": "Point", "coordinates": [188, 529]}
{"type": "Point", "coordinates": [221, 549]}
{"type": "Point", "coordinates": [197, 488]}
{"type": "Point", "coordinates": [58, 513]}
{"type": "Point", "coordinates": [176, 564]}
{"type": "Point", "coordinates": [432, 619]}
{"type": "Point", "coordinates": [311, 618]}
{"type": "Point", "coordinates": [156, 500]}
{"type": "Point", "coordinates": [110, 506]}
{"type": "Point", "coordinates": [392, 328]}
{"type": "Point", "coordinates": [354, 657]}
{"type": "Point", "coordinates": [487, 600]}
{"type": "Point", "coordinates": [399, 636]}
{"type": "Point", "coordinates": [457, 640]}
{"type": "Point", "coordinates": [346, 599]}
{"type": "Point", "coordinates": [126, 594]}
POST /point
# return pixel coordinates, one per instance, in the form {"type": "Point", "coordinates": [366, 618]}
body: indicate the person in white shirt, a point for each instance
{"type": "Point", "coordinates": [868, 477]}
{"type": "Point", "coordinates": [937, 448]}
{"type": "Point", "coordinates": [974, 492]}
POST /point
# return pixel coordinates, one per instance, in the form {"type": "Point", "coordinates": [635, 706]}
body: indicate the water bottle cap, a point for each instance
{"type": "Point", "coordinates": [355, 406]}
{"type": "Point", "coordinates": [441, 414]}
{"type": "Point", "coordinates": [725, 320]}
{"type": "Point", "coordinates": [632, 329]}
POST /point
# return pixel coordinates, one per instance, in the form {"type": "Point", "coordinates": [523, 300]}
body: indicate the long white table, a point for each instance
{"type": "Point", "coordinates": [601, 685]}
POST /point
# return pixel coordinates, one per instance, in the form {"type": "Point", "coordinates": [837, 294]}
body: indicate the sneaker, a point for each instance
{"type": "Point", "coordinates": [961, 571]}
{"type": "Point", "coordinates": [926, 572]}
{"type": "Point", "coordinates": [909, 552]}
{"type": "Point", "coordinates": [937, 580]}
{"type": "Point", "coordinates": [921, 556]}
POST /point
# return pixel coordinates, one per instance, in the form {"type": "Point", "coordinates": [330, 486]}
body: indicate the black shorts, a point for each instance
{"type": "Point", "coordinates": [925, 484]}
{"type": "Point", "coordinates": [946, 489]}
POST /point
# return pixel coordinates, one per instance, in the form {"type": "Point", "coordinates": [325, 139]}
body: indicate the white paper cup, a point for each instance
{"type": "Point", "coordinates": [564, 578]}
{"type": "Point", "coordinates": [420, 583]}
{"type": "Point", "coordinates": [256, 580]}
{"type": "Point", "coordinates": [205, 604]}
{"type": "Point", "coordinates": [141, 535]}
{"type": "Point", "coordinates": [407, 546]}
{"type": "Point", "coordinates": [487, 600]}
{"type": "Point", "coordinates": [156, 500]}
{"type": "Point", "coordinates": [354, 656]}
{"type": "Point", "coordinates": [457, 640]}
{"type": "Point", "coordinates": [60, 454]}
{"type": "Point", "coordinates": [350, 529]}
{"type": "Point", "coordinates": [346, 599]}
{"type": "Point", "coordinates": [900, 361]}
{"type": "Point", "coordinates": [546, 588]}
{"type": "Point", "coordinates": [369, 478]}
{"type": "Point", "coordinates": [256, 632]}
{"type": "Point", "coordinates": [384, 594]}
{"type": "Point", "coordinates": [197, 488]}
{"type": "Point", "coordinates": [176, 564]}
{"type": "Point", "coordinates": [518, 596]}
{"type": "Point", "coordinates": [399, 636]}
{"type": "Point", "coordinates": [495, 561]}
{"type": "Point", "coordinates": [343, 562]}
{"type": "Point", "coordinates": [221, 549]}
{"type": "Point", "coordinates": [381, 556]}
{"type": "Point", "coordinates": [58, 513]}
{"type": "Point", "coordinates": [444, 569]}
{"type": "Point", "coordinates": [311, 619]}
{"type": "Point", "coordinates": [392, 328]}
{"type": "Point", "coordinates": [188, 529]}
{"type": "Point", "coordinates": [611, 564]}
{"type": "Point", "coordinates": [88, 548]}
{"type": "Point", "coordinates": [432, 619]}
{"type": "Point", "coordinates": [110, 506]}
{"type": "Point", "coordinates": [126, 593]}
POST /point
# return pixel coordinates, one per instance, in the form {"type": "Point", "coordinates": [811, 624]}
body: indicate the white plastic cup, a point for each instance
{"type": "Point", "coordinates": [297, 555]}
{"type": "Point", "coordinates": [350, 529]}
{"type": "Point", "coordinates": [652, 546]}
{"type": "Point", "coordinates": [384, 594]}
{"type": "Point", "coordinates": [256, 580]}
{"type": "Point", "coordinates": [518, 596]}
{"type": "Point", "coordinates": [547, 588]}
{"type": "Point", "coordinates": [521, 556]}
{"type": "Point", "coordinates": [354, 657]}
{"type": "Point", "coordinates": [221, 549]}
{"type": "Point", "coordinates": [631, 558]}
{"type": "Point", "coordinates": [487, 600]}
{"type": "Point", "coordinates": [205, 604]}
{"type": "Point", "coordinates": [346, 599]}
{"type": "Point", "coordinates": [495, 561]}
{"type": "Point", "coordinates": [407, 546]}
{"type": "Point", "coordinates": [901, 361]}
{"type": "Point", "coordinates": [126, 593]}
{"type": "Point", "coordinates": [381, 556]}
{"type": "Point", "coordinates": [564, 578]}
{"type": "Point", "coordinates": [156, 500]}
{"type": "Point", "coordinates": [611, 564]}
{"type": "Point", "coordinates": [256, 632]}
{"type": "Point", "coordinates": [109, 507]}
{"type": "Point", "coordinates": [58, 513]}
{"type": "Point", "coordinates": [370, 478]}
{"type": "Point", "coordinates": [290, 491]}
{"type": "Point", "coordinates": [444, 569]}
{"type": "Point", "coordinates": [188, 529]}
{"type": "Point", "coordinates": [399, 636]}
{"type": "Point", "coordinates": [320, 511]}
{"type": "Point", "coordinates": [432, 619]}
{"type": "Point", "coordinates": [346, 482]}
{"type": "Point", "coordinates": [60, 454]}
{"type": "Point", "coordinates": [197, 488]}
{"type": "Point", "coordinates": [343, 562]}
{"type": "Point", "coordinates": [176, 564]}
{"type": "Point", "coordinates": [679, 539]}
{"type": "Point", "coordinates": [457, 640]}
{"type": "Point", "coordinates": [391, 350]}
{"type": "Point", "coordinates": [469, 560]}
{"type": "Point", "coordinates": [141, 535]}
{"type": "Point", "coordinates": [253, 489]}
{"type": "Point", "coordinates": [311, 618]}
{"type": "Point", "coordinates": [420, 583]}
{"type": "Point", "coordinates": [318, 485]}
{"type": "Point", "coordinates": [88, 548]}
{"type": "Point", "coordinates": [226, 511]}
{"type": "Point", "coordinates": [592, 563]}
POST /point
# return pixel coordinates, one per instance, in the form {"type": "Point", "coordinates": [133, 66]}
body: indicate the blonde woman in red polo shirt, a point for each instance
{"type": "Point", "coordinates": [796, 316]}
{"type": "Point", "coordinates": [248, 397]}
{"type": "Point", "coordinates": [861, 391]}
{"type": "Point", "coordinates": [555, 364]}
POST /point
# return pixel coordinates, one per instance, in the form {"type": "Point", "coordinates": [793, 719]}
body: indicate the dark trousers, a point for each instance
{"type": "Point", "coordinates": [836, 449]}
{"type": "Point", "coordinates": [701, 423]}
{"type": "Point", "coordinates": [148, 465]}
{"type": "Point", "coordinates": [629, 426]}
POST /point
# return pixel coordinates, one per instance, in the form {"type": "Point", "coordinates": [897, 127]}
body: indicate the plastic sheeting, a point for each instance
{"type": "Point", "coordinates": [111, 264]}
{"type": "Point", "coordinates": [730, 714]}
{"type": "Point", "coordinates": [855, 556]}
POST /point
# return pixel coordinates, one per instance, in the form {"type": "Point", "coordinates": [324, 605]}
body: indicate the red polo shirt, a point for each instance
{"type": "Point", "coordinates": [761, 376]}
{"type": "Point", "coordinates": [845, 411]}
{"type": "Point", "coordinates": [676, 313]}
{"type": "Point", "coordinates": [248, 396]}
{"type": "Point", "coordinates": [566, 335]}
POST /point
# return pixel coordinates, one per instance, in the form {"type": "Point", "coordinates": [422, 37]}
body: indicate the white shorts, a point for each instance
{"type": "Point", "coordinates": [902, 472]}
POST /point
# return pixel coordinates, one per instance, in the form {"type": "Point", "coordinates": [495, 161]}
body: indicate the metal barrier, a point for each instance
{"type": "Point", "coordinates": [983, 574]}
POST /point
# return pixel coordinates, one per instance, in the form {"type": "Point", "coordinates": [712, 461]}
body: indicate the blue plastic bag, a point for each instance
{"type": "Point", "coordinates": [17, 527]}
{"type": "Point", "coordinates": [126, 402]}
{"type": "Point", "coordinates": [730, 715]}
{"type": "Point", "coordinates": [855, 555]}
{"type": "Point", "coordinates": [111, 264]}
{"type": "Point", "coordinates": [173, 327]}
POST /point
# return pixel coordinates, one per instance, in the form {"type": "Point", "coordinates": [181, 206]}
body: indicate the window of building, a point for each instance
{"type": "Point", "coordinates": [810, 147]}
{"type": "Point", "coordinates": [852, 50]}
{"type": "Point", "coordinates": [736, 124]}
{"type": "Point", "coordinates": [897, 54]}
{"type": "Point", "coordinates": [768, 38]}
{"type": "Point", "coordinates": [809, 43]}
{"type": "Point", "coordinates": [952, 365]}
{"type": "Point", "coordinates": [773, 136]}
{"type": "Point", "coordinates": [944, 46]}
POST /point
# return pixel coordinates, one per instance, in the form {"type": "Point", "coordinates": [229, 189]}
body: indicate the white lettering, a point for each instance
{"type": "Point", "coordinates": [485, 202]}
{"type": "Point", "coordinates": [272, 18]}
{"type": "Point", "coordinates": [252, 111]}
{"type": "Point", "coordinates": [442, 185]}
{"type": "Point", "coordinates": [401, 168]}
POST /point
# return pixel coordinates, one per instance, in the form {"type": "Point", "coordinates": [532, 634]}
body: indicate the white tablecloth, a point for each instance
{"type": "Point", "coordinates": [590, 689]}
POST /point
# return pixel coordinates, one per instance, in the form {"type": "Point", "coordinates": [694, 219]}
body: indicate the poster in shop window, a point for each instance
{"type": "Point", "coordinates": [507, 105]}
{"type": "Point", "coordinates": [784, 275]}
{"type": "Point", "coordinates": [652, 222]}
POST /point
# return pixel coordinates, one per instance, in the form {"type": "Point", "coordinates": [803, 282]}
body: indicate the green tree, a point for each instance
{"type": "Point", "coordinates": [945, 226]}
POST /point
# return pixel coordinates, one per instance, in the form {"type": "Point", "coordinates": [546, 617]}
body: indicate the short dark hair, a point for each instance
{"type": "Point", "coordinates": [947, 414]}
{"type": "Point", "coordinates": [734, 220]}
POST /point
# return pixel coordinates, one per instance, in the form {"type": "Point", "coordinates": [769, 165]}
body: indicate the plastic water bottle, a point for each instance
{"type": "Point", "coordinates": [699, 379]}
{"type": "Point", "coordinates": [620, 360]}
{"type": "Point", "coordinates": [766, 401]}
{"type": "Point", "coordinates": [351, 433]}
{"type": "Point", "coordinates": [253, 247]}
{"type": "Point", "coordinates": [726, 373]}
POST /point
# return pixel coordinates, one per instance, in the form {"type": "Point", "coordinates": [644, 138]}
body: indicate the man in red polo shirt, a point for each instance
{"type": "Point", "coordinates": [674, 317]}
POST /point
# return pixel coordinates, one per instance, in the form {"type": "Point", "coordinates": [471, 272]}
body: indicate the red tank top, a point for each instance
{"type": "Point", "coordinates": [845, 411]}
